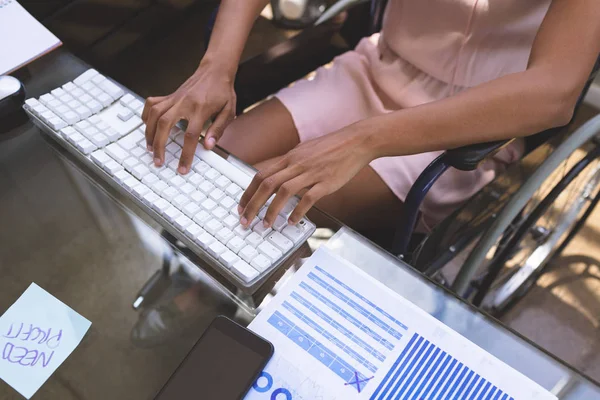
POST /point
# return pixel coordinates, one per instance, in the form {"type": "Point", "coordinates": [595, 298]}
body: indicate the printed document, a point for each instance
{"type": "Point", "coordinates": [341, 335]}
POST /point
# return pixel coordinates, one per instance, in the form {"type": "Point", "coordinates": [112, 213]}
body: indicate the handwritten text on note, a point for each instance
{"type": "Point", "coordinates": [37, 333]}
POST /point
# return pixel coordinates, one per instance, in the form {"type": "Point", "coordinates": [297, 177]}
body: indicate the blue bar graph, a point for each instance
{"type": "Point", "coordinates": [424, 371]}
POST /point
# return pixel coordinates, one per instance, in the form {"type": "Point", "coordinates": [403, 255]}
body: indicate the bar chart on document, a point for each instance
{"type": "Point", "coordinates": [341, 335]}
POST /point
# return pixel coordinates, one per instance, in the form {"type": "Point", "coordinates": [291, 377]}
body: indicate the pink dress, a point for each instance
{"type": "Point", "coordinates": [427, 50]}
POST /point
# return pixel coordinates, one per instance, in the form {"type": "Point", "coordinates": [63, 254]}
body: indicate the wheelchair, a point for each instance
{"type": "Point", "coordinates": [508, 233]}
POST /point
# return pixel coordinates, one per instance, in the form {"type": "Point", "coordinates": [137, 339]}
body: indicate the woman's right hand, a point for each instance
{"type": "Point", "coordinates": [207, 94]}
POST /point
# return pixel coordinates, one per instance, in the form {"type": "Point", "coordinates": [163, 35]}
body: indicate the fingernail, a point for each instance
{"type": "Point", "coordinates": [266, 223]}
{"type": "Point", "coordinates": [290, 222]}
{"type": "Point", "coordinates": [244, 221]}
{"type": "Point", "coordinates": [157, 162]}
{"type": "Point", "coordinates": [211, 141]}
{"type": "Point", "coordinates": [240, 209]}
{"type": "Point", "coordinates": [183, 170]}
{"type": "Point", "coordinates": [149, 148]}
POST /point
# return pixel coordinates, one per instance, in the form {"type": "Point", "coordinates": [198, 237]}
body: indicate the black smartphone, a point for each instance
{"type": "Point", "coordinates": [222, 365]}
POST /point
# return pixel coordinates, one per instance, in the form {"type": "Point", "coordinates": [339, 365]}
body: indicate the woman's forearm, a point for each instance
{"type": "Point", "coordinates": [230, 33]}
{"type": "Point", "coordinates": [516, 105]}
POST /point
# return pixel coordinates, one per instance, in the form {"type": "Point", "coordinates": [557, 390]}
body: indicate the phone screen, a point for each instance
{"type": "Point", "coordinates": [222, 365]}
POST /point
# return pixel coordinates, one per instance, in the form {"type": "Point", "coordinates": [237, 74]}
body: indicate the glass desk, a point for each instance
{"type": "Point", "coordinates": [94, 251]}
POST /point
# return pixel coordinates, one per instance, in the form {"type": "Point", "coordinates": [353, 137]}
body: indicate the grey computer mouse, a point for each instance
{"type": "Point", "coordinates": [12, 97]}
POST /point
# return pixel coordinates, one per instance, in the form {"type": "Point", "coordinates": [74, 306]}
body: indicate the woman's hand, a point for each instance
{"type": "Point", "coordinates": [207, 94]}
{"type": "Point", "coordinates": [319, 167]}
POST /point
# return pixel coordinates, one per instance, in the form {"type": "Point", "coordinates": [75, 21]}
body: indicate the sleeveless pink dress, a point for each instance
{"type": "Point", "coordinates": [427, 50]}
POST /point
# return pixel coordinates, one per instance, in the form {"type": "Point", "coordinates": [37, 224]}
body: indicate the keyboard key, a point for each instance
{"type": "Point", "coordinates": [170, 193]}
{"type": "Point", "coordinates": [230, 221]}
{"type": "Point", "coordinates": [280, 241]}
{"type": "Point", "coordinates": [85, 146]}
{"type": "Point", "coordinates": [254, 239]}
{"type": "Point", "coordinates": [113, 90]}
{"type": "Point", "coordinates": [217, 194]}
{"type": "Point", "coordinates": [180, 201]}
{"type": "Point", "coordinates": [270, 251]}
{"type": "Point", "coordinates": [244, 271]}
{"type": "Point", "coordinates": [76, 137]}
{"type": "Point", "coordinates": [95, 106]}
{"type": "Point", "coordinates": [233, 189]}
{"type": "Point", "coordinates": [127, 99]}
{"type": "Point", "coordinates": [222, 182]}
{"type": "Point", "coordinates": [117, 152]}
{"type": "Point", "coordinates": [187, 188]}
{"type": "Point", "coordinates": [206, 187]}
{"type": "Point", "coordinates": [166, 174]}
{"type": "Point", "coordinates": [236, 244]}
{"type": "Point", "coordinates": [140, 171]}
{"type": "Point", "coordinates": [130, 163]}
{"type": "Point", "coordinates": [150, 179]}
{"type": "Point", "coordinates": [279, 223]}
{"type": "Point", "coordinates": [130, 183]}
{"type": "Point", "coordinates": [242, 231]}
{"type": "Point", "coordinates": [159, 187]}
{"type": "Point", "coordinates": [86, 76]}
{"type": "Point", "coordinates": [216, 248]}
{"type": "Point", "coordinates": [194, 178]}
{"type": "Point", "coordinates": [112, 167]}
{"type": "Point", "coordinates": [125, 114]}
{"type": "Point", "coordinates": [228, 258]}
{"type": "Point", "coordinates": [220, 213]}
{"type": "Point", "coordinates": [260, 229]}
{"type": "Point", "coordinates": [202, 218]}
{"type": "Point", "coordinates": [182, 222]}
{"type": "Point", "coordinates": [172, 148]}
{"type": "Point", "coordinates": [172, 214]}
{"type": "Point", "coordinates": [228, 203]}
{"type": "Point", "coordinates": [201, 167]}
{"type": "Point", "coordinates": [149, 198]}
{"type": "Point", "coordinates": [213, 226]}
{"type": "Point", "coordinates": [100, 157]}
{"type": "Point", "coordinates": [212, 174]}
{"type": "Point", "coordinates": [197, 196]}
{"type": "Point", "coordinates": [294, 232]}
{"type": "Point", "coordinates": [224, 235]}
{"type": "Point", "coordinates": [248, 253]}
{"type": "Point", "coordinates": [141, 190]}
{"type": "Point", "coordinates": [261, 263]}
{"type": "Point", "coordinates": [138, 153]}
{"type": "Point", "coordinates": [121, 176]}
{"type": "Point", "coordinates": [100, 140]}
{"type": "Point", "coordinates": [205, 239]}
{"type": "Point", "coordinates": [208, 205]}
{"type": "Point", "coordinates": [193, 230]}
{"type": "Point", "coordinates": [191, 209]}
{"type": "Point", "coordinates": [161, 205]}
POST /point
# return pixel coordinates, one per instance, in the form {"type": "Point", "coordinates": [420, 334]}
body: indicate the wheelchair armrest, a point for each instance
{"type": "Point", "coordinates": [468, 158]}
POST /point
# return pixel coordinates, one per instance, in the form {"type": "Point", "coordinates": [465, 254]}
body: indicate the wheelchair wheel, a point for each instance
{"type": "Point", "coordinates": [543, 228]}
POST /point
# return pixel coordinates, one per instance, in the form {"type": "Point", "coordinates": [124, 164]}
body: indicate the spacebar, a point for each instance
{"type": "Point", "coordinates": [236, 175]}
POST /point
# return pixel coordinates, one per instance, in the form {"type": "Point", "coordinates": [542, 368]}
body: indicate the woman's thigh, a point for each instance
{"type": "Point", "coordinates": [265, 132]}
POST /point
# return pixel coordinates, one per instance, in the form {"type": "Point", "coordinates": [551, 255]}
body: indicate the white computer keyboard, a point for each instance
{"type": "Point", "coordinates": [99, 122]}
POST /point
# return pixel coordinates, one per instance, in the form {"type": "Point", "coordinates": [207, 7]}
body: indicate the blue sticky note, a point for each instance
{"type": "Point", "coordinates": [37, 333]}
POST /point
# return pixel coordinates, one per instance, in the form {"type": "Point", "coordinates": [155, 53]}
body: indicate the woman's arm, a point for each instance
{"type": "Point", "coordinates": [209, 91]}
{"type": "Point", "coordinates": [520, 104]}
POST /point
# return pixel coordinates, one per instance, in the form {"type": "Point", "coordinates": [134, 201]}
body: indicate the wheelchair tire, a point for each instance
{"type": "Point", "coordinates": [524, 253]}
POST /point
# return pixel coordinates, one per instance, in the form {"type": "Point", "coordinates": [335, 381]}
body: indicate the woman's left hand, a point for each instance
{"type": "Point", "coordinates": [319, 167]}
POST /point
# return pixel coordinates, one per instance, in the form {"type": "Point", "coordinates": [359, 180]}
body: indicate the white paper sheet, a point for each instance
{"type": "Point", "coordinates": [22, 37]}
{"type": "Point", "coordinates": [37, 333]}
{"type": "Point", "coordinates": [341, 335]}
